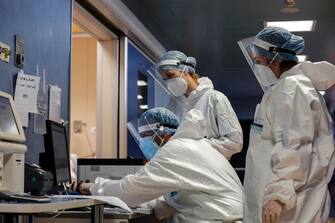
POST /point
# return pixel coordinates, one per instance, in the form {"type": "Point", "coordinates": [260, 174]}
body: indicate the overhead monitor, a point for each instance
{"type": "Point", "coordinates": [10, 122]}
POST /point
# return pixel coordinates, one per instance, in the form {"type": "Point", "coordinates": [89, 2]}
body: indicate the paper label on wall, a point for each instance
{"type": "Point", "coordinates": [42, 107]}
{"type": "Point", "coordinates": [54, 103]}
{"type": "Point", "coordinates": [25, 98]}
{"type": "Point", "coordinates": [24, 118]}
{"type": "Point", "coordinates": [42, 114]}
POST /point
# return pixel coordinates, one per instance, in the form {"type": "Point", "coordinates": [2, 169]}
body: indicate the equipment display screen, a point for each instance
{"type": "Point", "coordinates": [8, 124]}
{"type": "Point", "coordinates": [62, 164]}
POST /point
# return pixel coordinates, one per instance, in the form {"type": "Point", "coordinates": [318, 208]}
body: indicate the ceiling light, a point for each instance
{"type": "Point", "coordinates": [294, 26]}
{"type": "Point", "coordinates": [289, 7]}
{"type": "Point", "coordinates": [141, 83]}
{"type": "Point", "coordinates": [144, 107]}
{"type": "Point", "coordinates": [139, 97]}
{"type": "Point", "coordinates": [302, 58]}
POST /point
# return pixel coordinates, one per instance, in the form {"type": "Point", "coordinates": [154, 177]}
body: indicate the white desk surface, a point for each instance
{"type": "Point", "coordinates": [56, 204]}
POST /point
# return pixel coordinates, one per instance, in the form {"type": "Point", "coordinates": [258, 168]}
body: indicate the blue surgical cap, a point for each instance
{"type": "Point", "coordinates": [156, 118]}
{"type": "Point", "coordinates": [176, 60]}
{"type": "Point", "coordinates": [281, 38]}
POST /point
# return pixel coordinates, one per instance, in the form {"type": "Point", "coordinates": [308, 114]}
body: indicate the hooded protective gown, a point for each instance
{"type": "Point", "coordinates": [291, 150]}
{"type": "Point", "coordinates": [223, 128]}
{"type": "Point", "coordinates": [194, 178]}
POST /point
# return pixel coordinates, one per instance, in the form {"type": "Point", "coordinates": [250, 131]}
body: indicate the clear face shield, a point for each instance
{"type": "Point", "coordinates": [151, 130]}
{"type": "Point", "coordinates": [149, 136]}
{"type": "Point", "coordinates": [260, 55]}
{"type": "Point", "coordinates": [144, 139]}
{"type": "Point", "coordinates": [152, 93]}
{"type": "Point", "coordinates": [167, 98]}
{"type": "Point", "coordinates": [262, 72]}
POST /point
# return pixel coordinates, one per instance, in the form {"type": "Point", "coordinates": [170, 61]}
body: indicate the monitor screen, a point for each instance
{"type": "Point", "coordinates": [8, 124]}
{"type": "Point", "coordinates": [61, 157]}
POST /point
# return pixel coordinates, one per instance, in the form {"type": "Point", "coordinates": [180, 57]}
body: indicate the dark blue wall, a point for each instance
{"type": "Point", "coordinates": [45, 26]}
{"type": "Point", "coordinates": [137, 62]}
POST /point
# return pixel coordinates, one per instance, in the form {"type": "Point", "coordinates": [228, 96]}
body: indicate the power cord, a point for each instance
{"type": "Point", "coordinates": [59, 213]}
{"type": "Point", "coordinates": [65, 189]}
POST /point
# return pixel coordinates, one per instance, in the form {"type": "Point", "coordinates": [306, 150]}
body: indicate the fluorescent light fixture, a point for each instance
{"type": "Point", "coordinates": [143, 107]}
{"type": "Point", "coordinates": [322, 92]}
{"type": "Point", "coordinates": [141, 83]}
{"type": "Point", "coordinates": [294, 26]}
{"type": "Point", "coordinates": [139, 97]}
{"type": "Point", "coordinates": [302, 58]}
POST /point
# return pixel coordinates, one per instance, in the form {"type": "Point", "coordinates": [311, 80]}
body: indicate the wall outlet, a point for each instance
{"type": "Point", "coordinates": [4, 52]}
{"type": "Point", "coordinates": [93, 130]}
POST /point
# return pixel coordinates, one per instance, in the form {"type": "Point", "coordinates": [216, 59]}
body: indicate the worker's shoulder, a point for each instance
{"type": "Point", "coordinates": [194, 152]}
{"type": "Point", "coordinates": [217, 96]}
{"type": "Point", "coordinates": [292, 82]}
{"type": "Point", "coordinates": [184, 144]}
{"type": "Point", "coordinates": [296, 85]}
{"type": "Point", "coordinates": [180, 141]}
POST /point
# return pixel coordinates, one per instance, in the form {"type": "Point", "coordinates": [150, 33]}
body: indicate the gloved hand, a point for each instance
{"type": "Point", "coordinates": [84, 188]}
{"type": "Point", "coordinates": [162, 210]}
{"type": "Point", "coordinates": [272, 211]}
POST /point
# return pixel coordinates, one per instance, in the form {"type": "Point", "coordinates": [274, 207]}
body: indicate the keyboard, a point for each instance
{"type": "Point", "coordinates": [10, 196]}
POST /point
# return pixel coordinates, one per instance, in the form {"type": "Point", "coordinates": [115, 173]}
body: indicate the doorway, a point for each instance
{"type": "Point", "coordinates": [83, 93]}
{"type": "Point", "coordinates": [94, 88]}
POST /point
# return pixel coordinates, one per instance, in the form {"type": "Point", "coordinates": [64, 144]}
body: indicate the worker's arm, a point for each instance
{"type": "Point", "coordinates": [230, 140]}
{"type": "Point", "coordinates": [293, 124]}
{"type": "Point", "coordinates": [161, 208]}
{"type": "Point", "coordinates": [158, 177]}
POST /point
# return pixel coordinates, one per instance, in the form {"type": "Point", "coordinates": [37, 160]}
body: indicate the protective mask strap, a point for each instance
{"type": "Point", "coordinates": [267, 46]}
{"type": "Point", "coordinates": [279, 51]}
{"type": "Point", "coordinates": [182, 73]}
{"type": "Point", "coordinates": [155, 133]}
{"type": "Point", "coordinates": [262, 44]}
{"type": "Point", "coordinates": [171, 62]}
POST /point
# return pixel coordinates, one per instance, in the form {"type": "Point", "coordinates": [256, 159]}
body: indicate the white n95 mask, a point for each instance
{"type": "Point", "coordinates": [265, 75]}
{"type": "Point", "coordinates": [177, 86]}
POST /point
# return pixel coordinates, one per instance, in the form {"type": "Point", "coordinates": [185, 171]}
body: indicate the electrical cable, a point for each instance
{"type": "Point", "coordinates": [59, 213]}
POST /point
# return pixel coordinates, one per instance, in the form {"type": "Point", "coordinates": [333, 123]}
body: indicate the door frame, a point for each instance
{"type": "Point", "coordinates": [107, 137]}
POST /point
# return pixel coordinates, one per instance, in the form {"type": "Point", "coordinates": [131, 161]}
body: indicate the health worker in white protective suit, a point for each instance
{"type": "Point", "coordinates": [223, 129]}
{"type": "Point", "coordinates": [195, 180]}
{"type": "Point", "coordinates": [290, 158]}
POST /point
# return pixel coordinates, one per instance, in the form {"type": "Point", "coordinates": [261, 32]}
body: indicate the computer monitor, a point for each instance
{"type": "Point", "coordinates": [10, 122]}
{"type": "Point", "coordinates": [56, 158]}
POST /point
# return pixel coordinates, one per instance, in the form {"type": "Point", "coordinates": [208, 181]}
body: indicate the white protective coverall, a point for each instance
{"type": "Point", "coordinates": [194, 178]}
{"type": "Point", "coordinates": [291, 151]}
{"type": "Point", "coordinates": [223, 128]}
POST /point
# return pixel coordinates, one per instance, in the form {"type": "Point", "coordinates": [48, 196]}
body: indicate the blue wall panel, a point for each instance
{"type": "Point", "coordinates": [45, 26]}
{"type": "Point", "coordinates": [137, 63]}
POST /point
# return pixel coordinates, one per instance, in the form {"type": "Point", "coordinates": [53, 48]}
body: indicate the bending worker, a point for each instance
{"type": "Point", "coordinates": [223, 129]}
{"type": "Point", "coordinates": [290, 159]}
{"type": "Point", "coordinates": [194, 178]}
